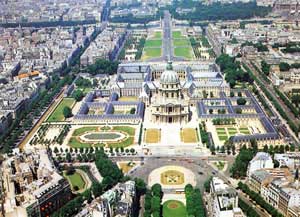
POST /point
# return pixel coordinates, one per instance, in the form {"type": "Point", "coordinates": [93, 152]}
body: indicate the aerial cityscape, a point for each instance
{"type": "Point", "coordinates": [149, 108]}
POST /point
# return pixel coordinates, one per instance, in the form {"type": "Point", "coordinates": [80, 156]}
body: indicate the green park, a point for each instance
{"type": "Point", "coordinates": [57, 115]}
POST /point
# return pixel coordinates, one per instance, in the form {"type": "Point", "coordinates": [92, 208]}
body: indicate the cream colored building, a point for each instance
{"type": "Point", "coordinates": [169, 104]}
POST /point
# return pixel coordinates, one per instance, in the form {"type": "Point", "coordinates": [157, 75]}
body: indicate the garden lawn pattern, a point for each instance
{"type": "Point", "coordinates": [153, 43]}
{"type": "Point", "coordinates": [172, 177]}
{"type": "Point", "coordinates": [183, 52]}
{"type": "Point", "coordinates": [76, 141]}
{"type": "Point", "coordinates": [150, 52]}
{"type": "Point", "coordinates": [225, 132]}
{"type": "Point", "coordinates": [152, 135]}
{"type": "Point", "coordinates": [182, 46]}
{"type": "Point", "coordinates": [189, 135]}
{"type": "Point", "coordinates": [153, 47]}
{"type": "Point", "coordinates": [174, 208]}
{"type": "Point", "coordinates": [76, 180]}
{"type": "Point", "coordinates": [57, 115]}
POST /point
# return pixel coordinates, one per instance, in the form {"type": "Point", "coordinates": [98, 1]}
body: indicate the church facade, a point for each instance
{"type": "Point", "coordinates": [169, 105]}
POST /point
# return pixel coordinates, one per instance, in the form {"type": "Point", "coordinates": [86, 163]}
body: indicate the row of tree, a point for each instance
{"type": "Point", "coordinates": [274, 101]}
{"type": "Point", "coordinates": [247, 209]}
{"type": "Point", "coordinates": [287, 102]}
{"type": "Point", "coordinates": [153, 201]}
{"type": "Point", "coordinates": [194, 202]}
{"type": "Point", "coordinates": [25, 118]}
{"type": "Point", "coordinates": [223, 121]}
{"type": "Point", "coordinates": [259, 200]}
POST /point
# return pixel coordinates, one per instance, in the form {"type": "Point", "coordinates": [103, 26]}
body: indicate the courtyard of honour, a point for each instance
{"type": "Point", "coordinates": [171, 104]}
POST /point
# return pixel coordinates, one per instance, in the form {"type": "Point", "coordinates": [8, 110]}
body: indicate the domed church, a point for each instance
{"type": "Point", "coordinates": [169, 105]}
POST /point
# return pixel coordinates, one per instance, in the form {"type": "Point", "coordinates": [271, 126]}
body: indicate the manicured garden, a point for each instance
{"type": "Point", "coordinates": [76, 181]}
{"type": "Point", "coordinates": [57, 115]}
{"type": "Point", "coordinates": [181, 42]}
{"type": "Point", "coordinates": [225, 133]}
{"type": "Point", "coordinates": [174, 208]}
{"type": "Point", "coordinates": [189, 135]}
{"type": "Point", "coordinates": [77, 142]}
{"type": "Point", "coordinates": [183, 52]}
{"type": "Point", "coordinates": [152, 136]}
{"type": "Point", "coordinates": [172, 177]}
{"type": "Point", "coordinates": [151, 53]}
{"type": "Point", "coordinates": [177, 35]}
{"type": "Point", "coordinates": [153, 43]}
{"type": "Point", "coordinates": [157, 35]}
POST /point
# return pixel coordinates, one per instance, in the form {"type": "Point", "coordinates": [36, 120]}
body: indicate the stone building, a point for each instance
{"type": "Point", "coordinates": [169, 104]}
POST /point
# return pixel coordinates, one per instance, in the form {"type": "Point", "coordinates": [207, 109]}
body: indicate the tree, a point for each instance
{"type": "Point", "coordinates": [240, 165]}
{"type": "Point", "coordinates": [238, 110]}
{"type": "Point", "coordinates": [141, 186]}
{"type": "Point", "coordinates": [276, 163]}
{"type": "Point", "coordinates": [296, 99]}
{"type": "Point", "coordinates": [207, 184]}
{"type": "Point", "coordinates": [132, 111]}
{"type": "Point", "coordinates": [67, 111]}
{"type": "Point", "coordinates": [284, 66]}
{"type": "Point", "coordinates": [265, 67]}
{"type": "Point", "coordinates": [68, 157]}
{"type": "Point", "coordinates": [87, 195]}
{"type": "Point", "coordinates": [156, 190]}
{"type": "Point", "coordinates": [254, 145]}
{"type": "Point", "coordinates": [266, 148]}
{"type": "Point", "coordinates": [95, 82]}
{"type": "Point", "coordinates": [97, 189]}
{"type": "Point", "coordinates": [55, 150]}
{"type": "Point", "coordinates": [292, 148]}
{"type": "Point", "coordinates": [241, 101]}
{"type": "Point", "coordinates": [70, 171]}
{"type": "Point", "coordinates": [287, 148]}
{"type": "Point", "coordinates": [222, 149]}
{"type": "Point", "coordinates": [78, 95]}
{"type": "Point", "coordinates": [132, 150]}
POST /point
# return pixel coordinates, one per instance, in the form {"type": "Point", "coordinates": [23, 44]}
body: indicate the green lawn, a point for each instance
{"type": "Point", "coordinates": [151, 53]}
{"type": "Point", "coordinates": [76, 180]}
{"type": "Point", "coordinates": [244, 130]}
{"type": "Point", "coordinates": [183, 52]}
{"type": "Point", "coordinates": [181, 42]}
{"type": "Point", "coordinates": [153, 43]}
{"type": "Point", "coordinates": [222, 138]}
{"type": "Point", "coordinates": [76, 143]}
{"type": "Point", "coordinates": [82, 130]}
{"type": "Point", "coordinates": [129, 130]}
{"type": "Point", "coordinates": [157, 35]}
{"type": "Point", "coordinates": [174, 208]}
{"type": "Point", "coordinates": [57, 114]}
{"type": "Point", "coordinates": [177, 34]}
